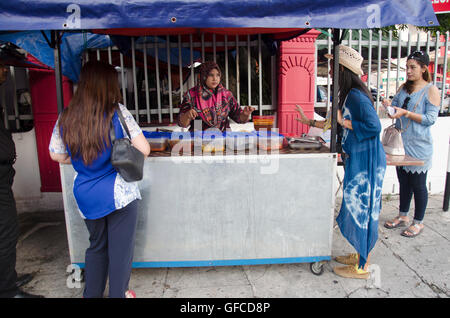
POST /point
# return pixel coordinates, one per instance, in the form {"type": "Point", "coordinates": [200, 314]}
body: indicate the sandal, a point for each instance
{"type": "Point", "coordinates": [410, 233]}
{"type": "Point", "coordinates": [393, 225]}
{"type": "Point", "coordinates": [130, 294]}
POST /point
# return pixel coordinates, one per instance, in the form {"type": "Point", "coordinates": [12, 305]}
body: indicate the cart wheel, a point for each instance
{"type": "Point", "coordinates": [317, 268]}
{"type": "Point", "coordinates": [82, 275]}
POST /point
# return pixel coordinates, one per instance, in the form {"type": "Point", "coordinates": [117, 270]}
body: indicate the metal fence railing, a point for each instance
{"type": "Point", "coordinates": [385, 60]}
{"type": "Point", "coordinates": [153, 84]}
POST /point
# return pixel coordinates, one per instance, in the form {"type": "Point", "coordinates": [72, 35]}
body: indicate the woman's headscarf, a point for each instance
{"type": "Point", "coordinates": [206, 68]}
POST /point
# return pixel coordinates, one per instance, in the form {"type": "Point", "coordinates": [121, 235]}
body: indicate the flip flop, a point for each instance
{"type": "Point", "coordinates": [395, 225]}
{"type": "Point", "coordinates": [410, 232]}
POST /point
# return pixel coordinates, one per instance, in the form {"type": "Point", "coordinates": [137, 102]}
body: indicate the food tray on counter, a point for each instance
{"type": "Point", "coordinates": [268, 140]}
{"type": "Point", "coordinates": [158, 140]}
{"type": "Point", "coordinates": [308, 142]}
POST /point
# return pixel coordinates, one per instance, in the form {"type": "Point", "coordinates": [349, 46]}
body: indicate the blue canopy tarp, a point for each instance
{"type": "Point", "coordinates": [107, 14]}
{"type": "Point", "coordinates": [72, 46]}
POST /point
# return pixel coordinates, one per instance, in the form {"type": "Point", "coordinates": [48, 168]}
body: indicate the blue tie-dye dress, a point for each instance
{"type": "Point", "coordinates": [364, 174]}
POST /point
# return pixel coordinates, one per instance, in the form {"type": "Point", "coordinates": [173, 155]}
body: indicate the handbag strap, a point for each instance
{"type": "Point", "coordinates": [112, 132]}
{"type": "Point", "coordinates": [415, 106]}
{"type": "Point", "coordinates": [122, 120]}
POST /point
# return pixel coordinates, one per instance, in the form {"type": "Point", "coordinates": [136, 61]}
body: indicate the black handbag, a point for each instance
{"type": "Point", "coordinates": [126, 159]}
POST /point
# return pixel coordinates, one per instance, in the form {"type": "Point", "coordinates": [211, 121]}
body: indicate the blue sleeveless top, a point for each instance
{"type": "Point", "coordinates": [417, 138]}
{"type": "Point", "coordinates": [98, 188]}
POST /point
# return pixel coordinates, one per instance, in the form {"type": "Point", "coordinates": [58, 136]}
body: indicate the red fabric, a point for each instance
{"type": "Point", "coordinates": [282, 32]}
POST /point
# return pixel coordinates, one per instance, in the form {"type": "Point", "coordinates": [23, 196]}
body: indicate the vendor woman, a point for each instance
{"type": "Point", "coordinates": [211, 102]}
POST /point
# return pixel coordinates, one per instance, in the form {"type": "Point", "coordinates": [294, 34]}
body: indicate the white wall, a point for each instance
{"type": "Point", "coordinates": [27, 181]}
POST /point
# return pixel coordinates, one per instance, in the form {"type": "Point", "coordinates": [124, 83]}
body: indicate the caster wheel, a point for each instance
{"type": "Point", "coordinates": [82, 275]}
{"type": "Point", "coordinates": [317, 268]}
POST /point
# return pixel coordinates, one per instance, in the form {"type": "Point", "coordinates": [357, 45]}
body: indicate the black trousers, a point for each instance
{"type": "Point", "coordinates": [413, 183]}
{"type": "Point", "coordinates": [110, 253]}
{"type": "Point", "coordinates": [8, 233]}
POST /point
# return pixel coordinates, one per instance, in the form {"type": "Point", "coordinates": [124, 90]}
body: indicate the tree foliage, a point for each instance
{"type": "Point", "coordinates": [444, 24]}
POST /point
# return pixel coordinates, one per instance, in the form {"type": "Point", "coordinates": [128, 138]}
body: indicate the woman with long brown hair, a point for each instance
{"type": "Point", "coordinates": [107, 203]}
{"type": "Point", "coordinates": [364, 167]}
{"type": "Point", "coordinates": [416, 109]}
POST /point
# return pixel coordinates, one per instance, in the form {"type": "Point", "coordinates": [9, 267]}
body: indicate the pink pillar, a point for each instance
{"type": "Point", "coordinates": [296, 82]}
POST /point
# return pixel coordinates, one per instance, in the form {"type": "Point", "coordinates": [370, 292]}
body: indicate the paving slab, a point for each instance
{"type": "Point", "coordinates": [401, 267]}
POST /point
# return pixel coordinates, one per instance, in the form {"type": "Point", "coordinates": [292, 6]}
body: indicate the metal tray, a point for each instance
{"type": "Point", "coordinates": [305, 143]}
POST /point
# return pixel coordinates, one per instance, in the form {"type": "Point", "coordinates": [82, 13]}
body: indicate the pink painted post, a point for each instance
{"type": "Point", "coordinates": [296, 82]}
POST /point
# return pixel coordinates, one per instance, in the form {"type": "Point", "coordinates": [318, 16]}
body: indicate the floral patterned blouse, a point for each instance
{"type": "Point", "coordinates": [213, 106]}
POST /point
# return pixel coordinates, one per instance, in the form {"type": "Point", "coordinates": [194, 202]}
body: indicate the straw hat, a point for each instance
{"type": "Point", "coordinates": [349, 58]}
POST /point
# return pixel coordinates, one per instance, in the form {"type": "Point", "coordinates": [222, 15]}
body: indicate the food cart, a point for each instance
{"type": "Point", "coordinates": [237, 209]}
{"type": "Point", "coordinates": [231, 209]}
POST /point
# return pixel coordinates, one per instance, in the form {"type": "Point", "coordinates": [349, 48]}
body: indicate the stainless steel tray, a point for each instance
{"type": "Point", "coordinates": [306, 143]}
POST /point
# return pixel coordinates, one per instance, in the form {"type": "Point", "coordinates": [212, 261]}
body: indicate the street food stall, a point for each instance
{"type": "Point", "coordinates": [259, 205]}
{"type": "Point", "coordinates": [226, 208]}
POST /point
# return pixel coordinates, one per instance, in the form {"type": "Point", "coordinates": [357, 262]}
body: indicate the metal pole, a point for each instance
{"type": "Point", "coordinates": [334, 105]}
{"type": "Point", "coordinates": [444, 73]}
{"type": "Point", "coordinates": [135, 87]}
{"type": "Point", "coordinates": [447, 182]}
{"type": "Point", "coordinates": [56, 41]}
{"type": "Point", "coordinates": [12, 72]}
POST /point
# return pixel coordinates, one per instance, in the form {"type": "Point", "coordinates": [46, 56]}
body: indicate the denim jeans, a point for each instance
{"type": "Point", "coordinates": [413, 183]}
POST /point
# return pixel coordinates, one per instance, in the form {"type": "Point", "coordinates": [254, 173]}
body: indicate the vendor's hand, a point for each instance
{"type": "Point", "coordinates": [303, 119]}
{"type": "Point", "coordinates": [188, 116]}
{"type": "Point", "coordinates": [246, 112]}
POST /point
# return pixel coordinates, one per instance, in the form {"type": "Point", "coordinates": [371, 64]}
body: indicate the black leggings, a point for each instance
{"type": "Point", "coordinates": [413, 183]}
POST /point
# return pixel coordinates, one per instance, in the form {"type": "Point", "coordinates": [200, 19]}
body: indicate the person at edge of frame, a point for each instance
{"type": "Point", "coordinates": [10, 282]}
{"type": "Point", "coordinates": [419, 101]}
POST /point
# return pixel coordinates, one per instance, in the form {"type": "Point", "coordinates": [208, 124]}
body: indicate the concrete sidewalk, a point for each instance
{"type": "Point", "coordinates": [401, 267]}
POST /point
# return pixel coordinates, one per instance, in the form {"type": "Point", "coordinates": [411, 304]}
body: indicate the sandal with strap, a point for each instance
{"type": "Point", "coordinates": [411, 233]}
{"type": "Point", "coordinates": [393, 224]}
{"type": "Point", "coordinates": [130, 294]}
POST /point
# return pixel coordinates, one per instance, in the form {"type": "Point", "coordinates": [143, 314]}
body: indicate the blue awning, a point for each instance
{"type": "Point", "coordinates": [107, 14]}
